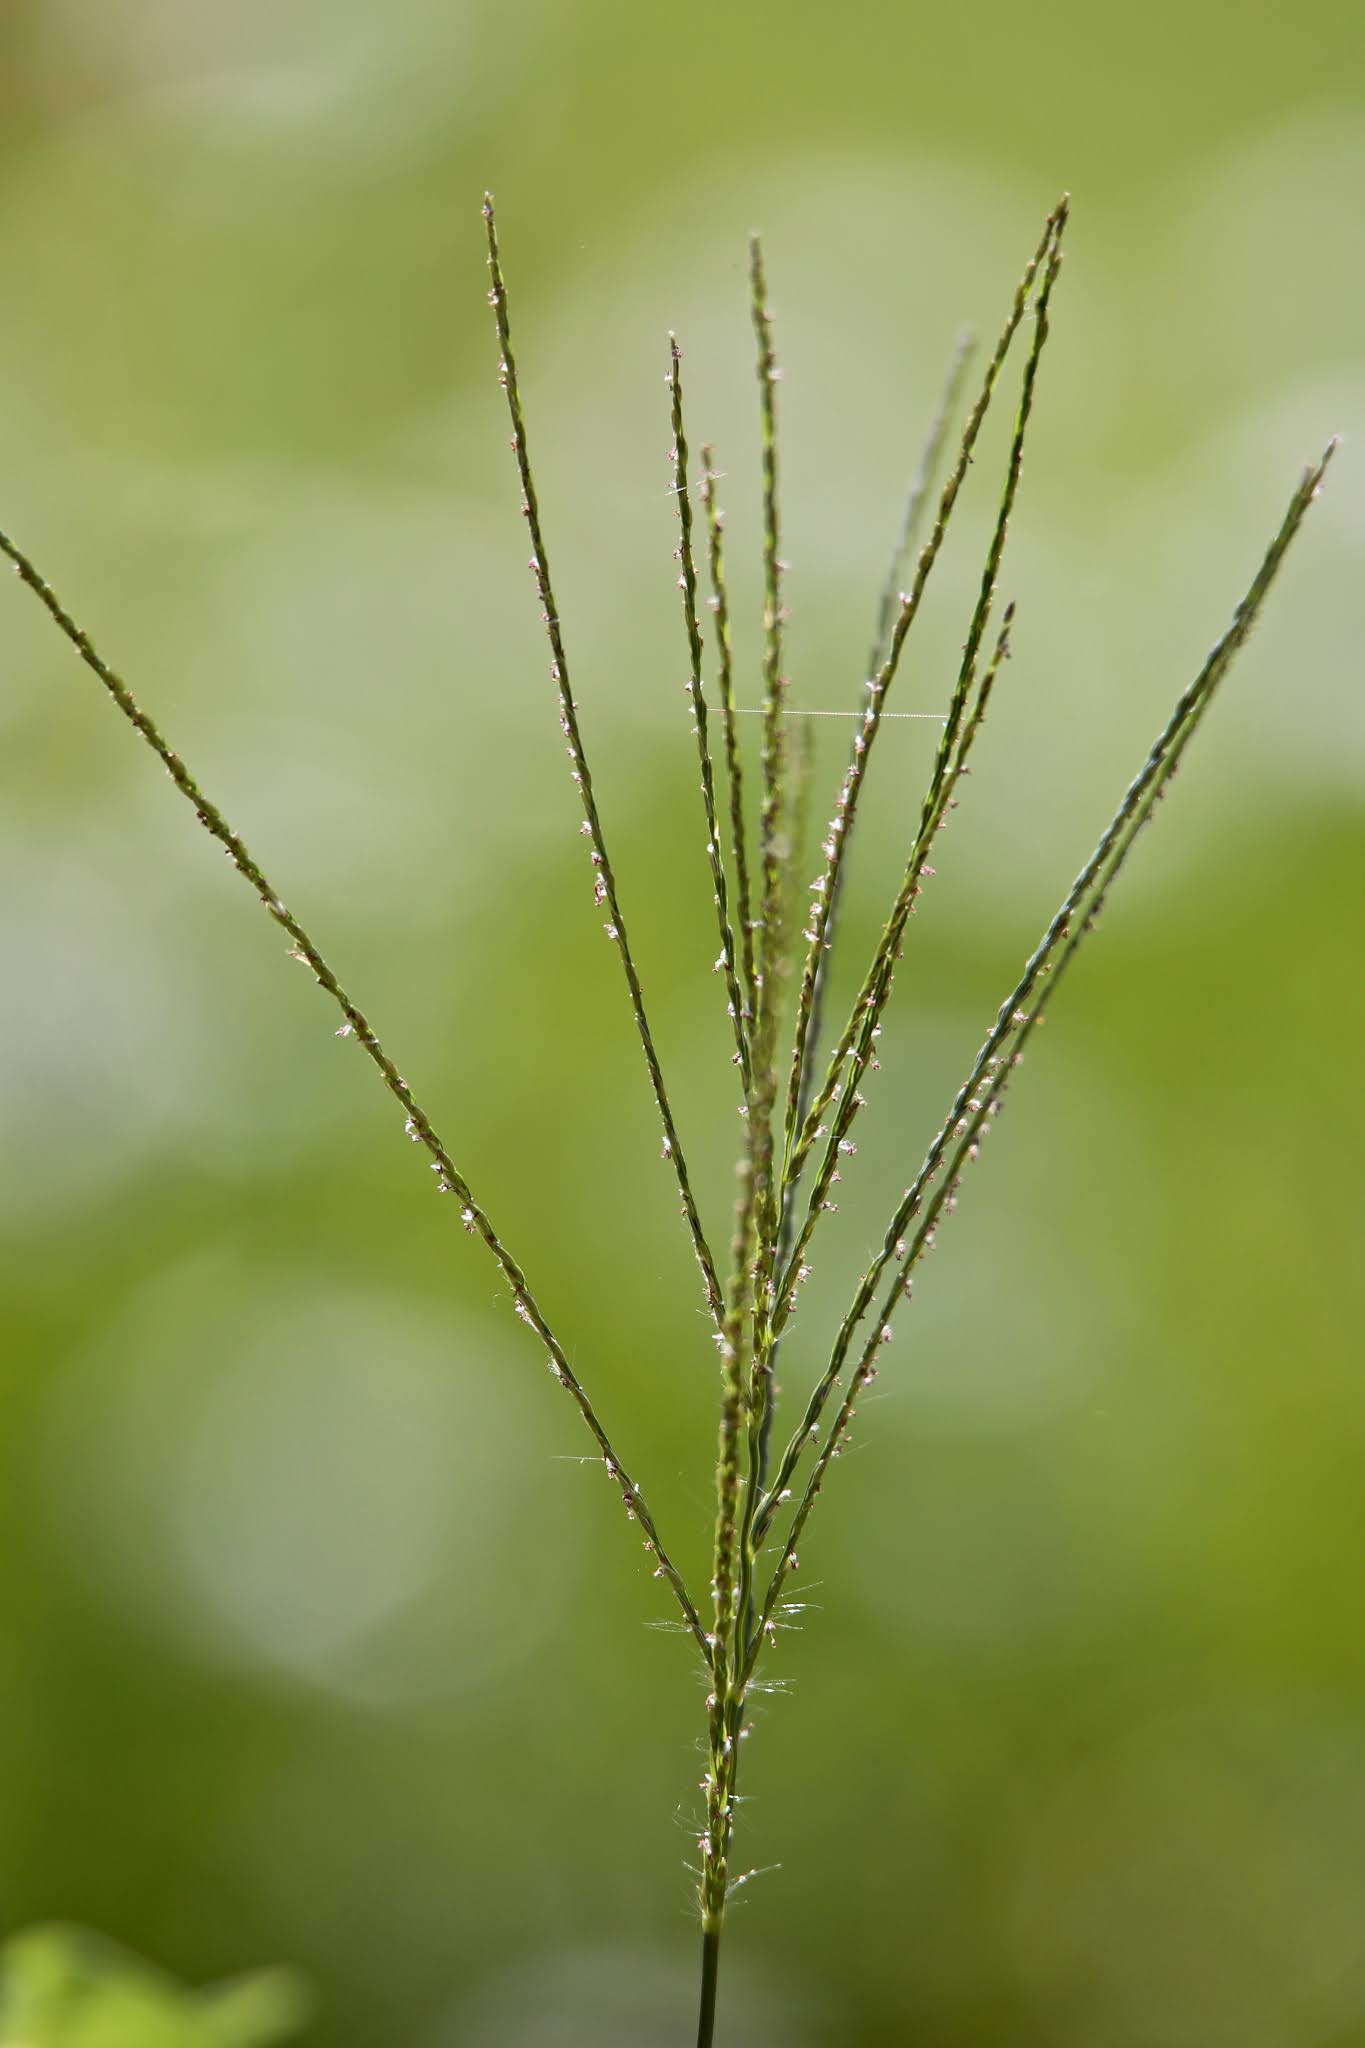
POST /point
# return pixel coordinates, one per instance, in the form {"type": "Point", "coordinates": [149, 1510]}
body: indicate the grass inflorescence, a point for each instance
{"type": "Point", "coordinates": [800, 1098]}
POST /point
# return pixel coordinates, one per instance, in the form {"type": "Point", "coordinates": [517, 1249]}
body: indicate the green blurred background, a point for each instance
{"type": "Point", "coordinates": [320, 1646]}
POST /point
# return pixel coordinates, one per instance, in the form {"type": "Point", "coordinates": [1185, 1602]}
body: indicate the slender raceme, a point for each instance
{"type": "Point", "coordinates": [604, 886]}
{"type": "Point", "coordinates": [917, 497]}
{"type": "Point", "coordinates": [860, 1033]}
{"type": "Point", "coordinates": [719, 602]}
{"type": "Point", "coordinates": [916, 500]}
{"type": "Point", "coordinates": [846, 807]}
{"type": "Point", "coordinates": [739, 1009]}
{"type": "Point", "coordinates": [357, 1025]}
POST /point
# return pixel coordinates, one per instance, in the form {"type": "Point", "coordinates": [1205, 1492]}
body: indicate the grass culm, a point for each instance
{"type": "Point", "coordinates": [802, 1078]}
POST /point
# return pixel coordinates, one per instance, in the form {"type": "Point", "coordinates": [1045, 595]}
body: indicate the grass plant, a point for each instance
{"type": "Point", "coordinates": [803, 1086]}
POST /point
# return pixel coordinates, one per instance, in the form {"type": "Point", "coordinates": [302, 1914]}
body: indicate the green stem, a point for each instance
{"type": "Point", "coordinates": [710, 1970]}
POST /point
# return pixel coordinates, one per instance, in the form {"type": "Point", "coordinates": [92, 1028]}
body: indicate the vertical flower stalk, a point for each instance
{"type": "Point", "coordinates": [760, 1520]}
{"type": "Point", "coordinates": [772, 850]}
{"type": "Point", "coordinates": [746, 1393]}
